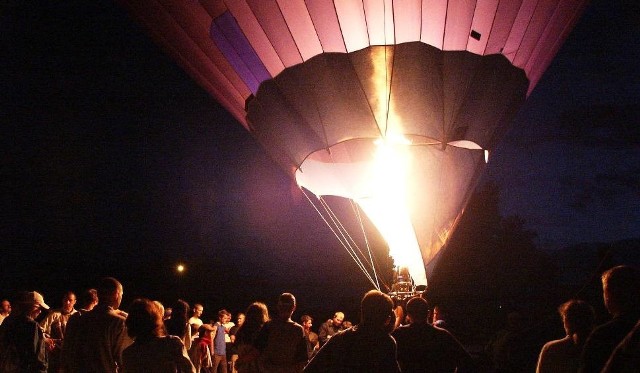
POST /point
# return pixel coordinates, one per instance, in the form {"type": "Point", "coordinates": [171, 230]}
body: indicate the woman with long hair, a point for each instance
{"type": "Point", "coordinates": [178, 324]}
{"type": "Point", "coordinates": [152, 350]}
{"type": "Point", "coordinates": [256, 316]}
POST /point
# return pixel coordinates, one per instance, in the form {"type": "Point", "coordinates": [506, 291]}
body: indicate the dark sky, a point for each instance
{"type": "Point", "coordinates": [116, 163]}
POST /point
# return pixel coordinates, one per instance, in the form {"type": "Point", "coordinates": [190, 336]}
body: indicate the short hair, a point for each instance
{"type": "Point", "coordinates": [68, 293]}
{"type": "Point", "coordinates": [578, 316]}
{"type": "Point", "coordinates": [622, 283]}
{"type": "Point", "coordinates": [108, 286]}
{"type": "Point", "coordinates": [145, 319]}
{"type": "Point", "coordinates": [223, 312]}
{"type": "Point", "coordinates": [286, 302]}
{"type": "Point", "coordinates": [375, 308]}
{"type": "Point", "coordinates": [306, 318]}
{"type": "Point", "coordinates": [418, 309]}
{"type": "Point", "coordinates": [88, 297]}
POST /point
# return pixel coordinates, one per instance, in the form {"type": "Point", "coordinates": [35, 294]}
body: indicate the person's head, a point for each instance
{"type": "Point", "coordinates": [286, 305]}
{"type": "Point", "coordinates": [376, 310]}
{"type": "Point", "coordinates": [167, 313]}
{"type": "Point", "coordinates": [256, 316]}
{"type": "Point", "coordinates": [68, 301]}
{"type": "Point", "coordinates": [88, 299]}
{"type": "Point", "coordinates": [223, 316]}
{"type": "Point", "coordinates": [5, 307]}
{"type": "Point", "coordinates": [337, 319]}
{"type": "Point", "coordinates": [306, 321]}
{"type": "Point", "coordinates": [197, 310]}
{"type": "Point", "coordinates": [30, 304]}
{"type": "Point", "coordinates": [620, 288]}
{"type": "Point", "coordinates": [240, 319]}
{"type": "Point", "coordinates": [160, 306]}
{"type": "Point", "coordinates": [257, 312]}
{"type": "Point", "coordinates": [110, 292]}
{"type": "Point", "coordinates": [577, 317]}
{"type": "Point", "coordinates": [179, 310]}
{"type": "Point", "coordinates": [145, 319]}
{"type": "Point", "coordinates": [418, 310]}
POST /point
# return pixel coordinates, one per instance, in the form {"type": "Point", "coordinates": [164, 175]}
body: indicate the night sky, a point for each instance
{"type": "Point", "coordinates": [116, 163]}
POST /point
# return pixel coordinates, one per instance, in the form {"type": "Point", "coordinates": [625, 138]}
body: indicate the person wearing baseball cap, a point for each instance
{"type": "Point", "coordinates": [20, 333]}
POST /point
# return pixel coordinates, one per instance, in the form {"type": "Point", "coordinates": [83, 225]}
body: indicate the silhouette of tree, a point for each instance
{"type": "Point", "coordinates": [490, 267]}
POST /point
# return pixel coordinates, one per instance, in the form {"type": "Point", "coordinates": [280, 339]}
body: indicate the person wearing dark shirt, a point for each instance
{"type": "Point", "coordinates": [426, 348]}
{"type": "Point", "coordinates": [22, 340]}
{"type": "Point", "coordinates": [330, 327]}
{"type": "Point", "coordinates": [366, 347]}
{"type": "Point", "coordinates": [620, 289]}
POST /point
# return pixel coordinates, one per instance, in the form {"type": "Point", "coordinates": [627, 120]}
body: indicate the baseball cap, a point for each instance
{"type": "Point", "coordinates": [32, 298]}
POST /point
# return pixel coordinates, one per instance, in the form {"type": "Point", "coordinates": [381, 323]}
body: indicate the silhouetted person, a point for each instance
{"type": "Point", "coordinates": [626, 356]}
{"type": "Point", "coordinates": [366, 347]}
{"type": "Point", "coordinates": [256, 316]}
{"type": "Point", "coordinates": [22, 340]}
{"type": "Point", "coordinates": [425, 348]}
{"type": "Point", "coordinates": [281, 340]}
{"type": "Point", "coordinates": [508, 348]}
{"type": "Point", "coordinates": [152, 350]}
{"type": "Point", "coordinates": [88, 299]}
{"type": "Point", "coordinates": [178, 323]}
{"type": "Point", "coordinates": [620, 290]}
{"type": "Point", "coordinates": [96, 339]}
{"type": "Point", "coordinates": [563, 355]}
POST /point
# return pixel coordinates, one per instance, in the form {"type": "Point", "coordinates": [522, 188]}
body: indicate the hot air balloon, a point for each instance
{"type": "Point", "coordinates": [392, 104]}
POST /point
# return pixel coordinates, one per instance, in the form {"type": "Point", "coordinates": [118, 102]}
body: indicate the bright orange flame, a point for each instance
{"type": "Point", "coordinates": [387, 205]}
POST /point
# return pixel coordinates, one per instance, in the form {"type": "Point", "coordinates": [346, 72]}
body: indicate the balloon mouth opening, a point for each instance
{"type": "Point", "coordinates": [376, 175]}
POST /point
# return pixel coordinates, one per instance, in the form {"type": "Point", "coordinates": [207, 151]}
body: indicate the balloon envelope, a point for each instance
{"type": "Point", "coordinates": [393, 104]}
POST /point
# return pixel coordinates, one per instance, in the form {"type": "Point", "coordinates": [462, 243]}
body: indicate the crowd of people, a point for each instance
{"type": "Point", "coordinates": [92, 334]}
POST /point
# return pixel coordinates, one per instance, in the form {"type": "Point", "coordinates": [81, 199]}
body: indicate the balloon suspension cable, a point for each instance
{"type": "Point", "coordinates": [356, 211]}
{"type": "Point", "coordinates": [342, 235]}
{"type": "Point", "coordinates": [352, 245]}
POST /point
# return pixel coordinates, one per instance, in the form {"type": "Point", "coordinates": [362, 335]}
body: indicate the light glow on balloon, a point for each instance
{"type": "Point", "coordinates": [387, 205]}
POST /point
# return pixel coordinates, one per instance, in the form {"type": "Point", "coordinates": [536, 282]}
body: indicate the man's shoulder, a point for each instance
{"type": "Point", "coordinates": [557, 344]}
{"type": "Point", "coordinates": [102, 315]}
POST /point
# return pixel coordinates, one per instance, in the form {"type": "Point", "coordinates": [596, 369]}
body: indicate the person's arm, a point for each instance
{"type": "Point", "coordinates": [542, 361]}
{"type": "Point", "coordinates": [463, 358]}
{"type": "Point", "coordinates": [183, 363]}
{"type": "Point", "coordinates": [301, 356]}
{"type": "Point", "coordinates": [323, 334]}
{"type": "Point", "coordinates": [39, 353]}
{"type": "Point", "coordinates": [187, 338]}
{"type": "Point", "coordinates": [390, 359]}
{"type": "Point", "coordinates": [323, 361]}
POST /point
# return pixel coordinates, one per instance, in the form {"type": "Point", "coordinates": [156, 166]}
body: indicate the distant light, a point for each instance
{"type": "Point", "coordinates": [180, 268]}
